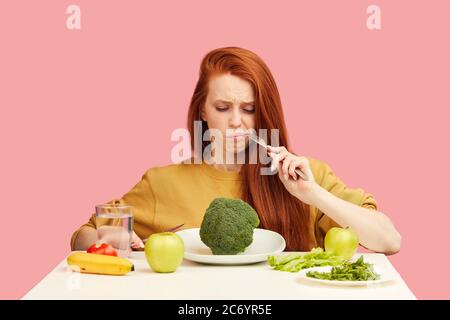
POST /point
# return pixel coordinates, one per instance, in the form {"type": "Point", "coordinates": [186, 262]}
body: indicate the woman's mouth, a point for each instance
{"type": "Point", "coordinates": [237, 135]}
{"type": "Point", "coordinates": [238, 138]}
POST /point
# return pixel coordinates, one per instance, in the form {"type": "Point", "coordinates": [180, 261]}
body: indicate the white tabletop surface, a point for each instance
{"type": "Point", "coordinates": [195, 281]}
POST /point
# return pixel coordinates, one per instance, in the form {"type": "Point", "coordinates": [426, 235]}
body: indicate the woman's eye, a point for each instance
{"type": "Point", "coordinates": [246, 109]}
{"type": "Point", "coordinates": [221, 109]}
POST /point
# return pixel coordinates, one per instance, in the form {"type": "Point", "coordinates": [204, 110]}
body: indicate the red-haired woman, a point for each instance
{"type": "Point", "coordinates": [236, 93]}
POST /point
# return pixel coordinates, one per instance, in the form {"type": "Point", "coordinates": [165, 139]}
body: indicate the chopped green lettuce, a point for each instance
{"type": "Point", "coordinates": [295, 262]}
{"type": "Point", "coordinates": [348, 271]}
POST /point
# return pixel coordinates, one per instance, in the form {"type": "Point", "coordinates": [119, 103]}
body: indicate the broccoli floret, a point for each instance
{"type": "Point", "coordinates": [227, 226]}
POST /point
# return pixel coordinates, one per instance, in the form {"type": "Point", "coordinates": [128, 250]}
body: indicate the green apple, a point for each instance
{"type": "Point", "coordinates": [342, 242]}
{"type": "Point", "coordinates": [164, 251]}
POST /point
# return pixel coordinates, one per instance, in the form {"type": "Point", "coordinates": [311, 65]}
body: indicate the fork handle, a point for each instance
{"type": "Point", "coordinates": [301, 174]}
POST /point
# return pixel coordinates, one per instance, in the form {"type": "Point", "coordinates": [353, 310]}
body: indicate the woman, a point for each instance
{"type": "Point", "coordinates": [236, 93]}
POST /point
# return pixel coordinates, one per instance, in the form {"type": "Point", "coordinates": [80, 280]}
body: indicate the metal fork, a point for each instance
{"type": "Point", "coordinates": [262, 143]}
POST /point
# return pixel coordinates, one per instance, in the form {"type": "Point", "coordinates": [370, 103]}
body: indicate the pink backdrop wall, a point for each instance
{"type": "Point", "coordinates": [85, 112]}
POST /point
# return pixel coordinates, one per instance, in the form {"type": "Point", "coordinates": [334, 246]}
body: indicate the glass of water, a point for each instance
{"type": "Point", "coordinates": [115, 226]}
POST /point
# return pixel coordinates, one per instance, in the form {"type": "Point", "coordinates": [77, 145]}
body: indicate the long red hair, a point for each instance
{"type": "Point", "coordinates": [278, 210]}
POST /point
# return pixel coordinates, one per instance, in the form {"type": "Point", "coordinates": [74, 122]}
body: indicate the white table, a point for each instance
{"type": "Point", "coordinates": [198, 281]}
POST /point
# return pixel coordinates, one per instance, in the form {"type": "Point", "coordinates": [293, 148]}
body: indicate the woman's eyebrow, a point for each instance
{"type": "Point", "coordinates": [230, 102]}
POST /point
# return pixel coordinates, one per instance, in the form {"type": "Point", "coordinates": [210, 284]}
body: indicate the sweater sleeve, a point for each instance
{"type": "Point", "coordinates": [141, 197]}
{"type": "Point", "coordinates": [330, 182]}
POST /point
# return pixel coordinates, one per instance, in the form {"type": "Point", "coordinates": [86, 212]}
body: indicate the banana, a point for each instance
{"type": "Point", "coordinates": [99, 263]}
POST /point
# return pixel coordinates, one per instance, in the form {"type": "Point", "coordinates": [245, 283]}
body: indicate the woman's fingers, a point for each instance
{"type": "Point", "coordinates": [292, 166]}
{"type": "Point", "coordinates": [289, 162]}
{"type": "Point", "coordinates": [279, 154]}
{"type": "Point", "coordinates": [299, 163]}
{"type": "Point", "coordinates": [276, 149]}
{"type": "Point", "coordinates": [285, 168]}
{"type": "Point", "coordinates": [302, 164]}
{"type": "Point", "coordinates": [116, 236]}
{"type": "Point", "coordinates": [119, 238]}
{"type": "Point", "coordinates": [136, 242]}
{"type": "Point", "coordinates": [276, 158]}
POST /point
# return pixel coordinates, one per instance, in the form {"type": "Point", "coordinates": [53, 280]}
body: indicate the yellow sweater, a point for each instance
{"type": "Point", "coordinates": [180, 193]}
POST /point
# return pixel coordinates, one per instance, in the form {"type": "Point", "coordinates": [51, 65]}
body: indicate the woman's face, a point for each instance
{"type": "Point", "coordinates": [230, 108]}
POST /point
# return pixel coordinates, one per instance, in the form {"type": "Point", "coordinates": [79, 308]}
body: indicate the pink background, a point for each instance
{"type": "Point", "coordinates": [85, 113]}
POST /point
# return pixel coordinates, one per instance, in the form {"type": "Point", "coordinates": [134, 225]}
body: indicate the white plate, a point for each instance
{"type": "Point", "coordinates": [265, 243]}
{"type": "Point", "coordinates": [383, 278]}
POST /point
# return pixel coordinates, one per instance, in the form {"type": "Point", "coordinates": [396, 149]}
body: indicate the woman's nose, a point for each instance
{"type": "Point", "coordinates": [235, 120]}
